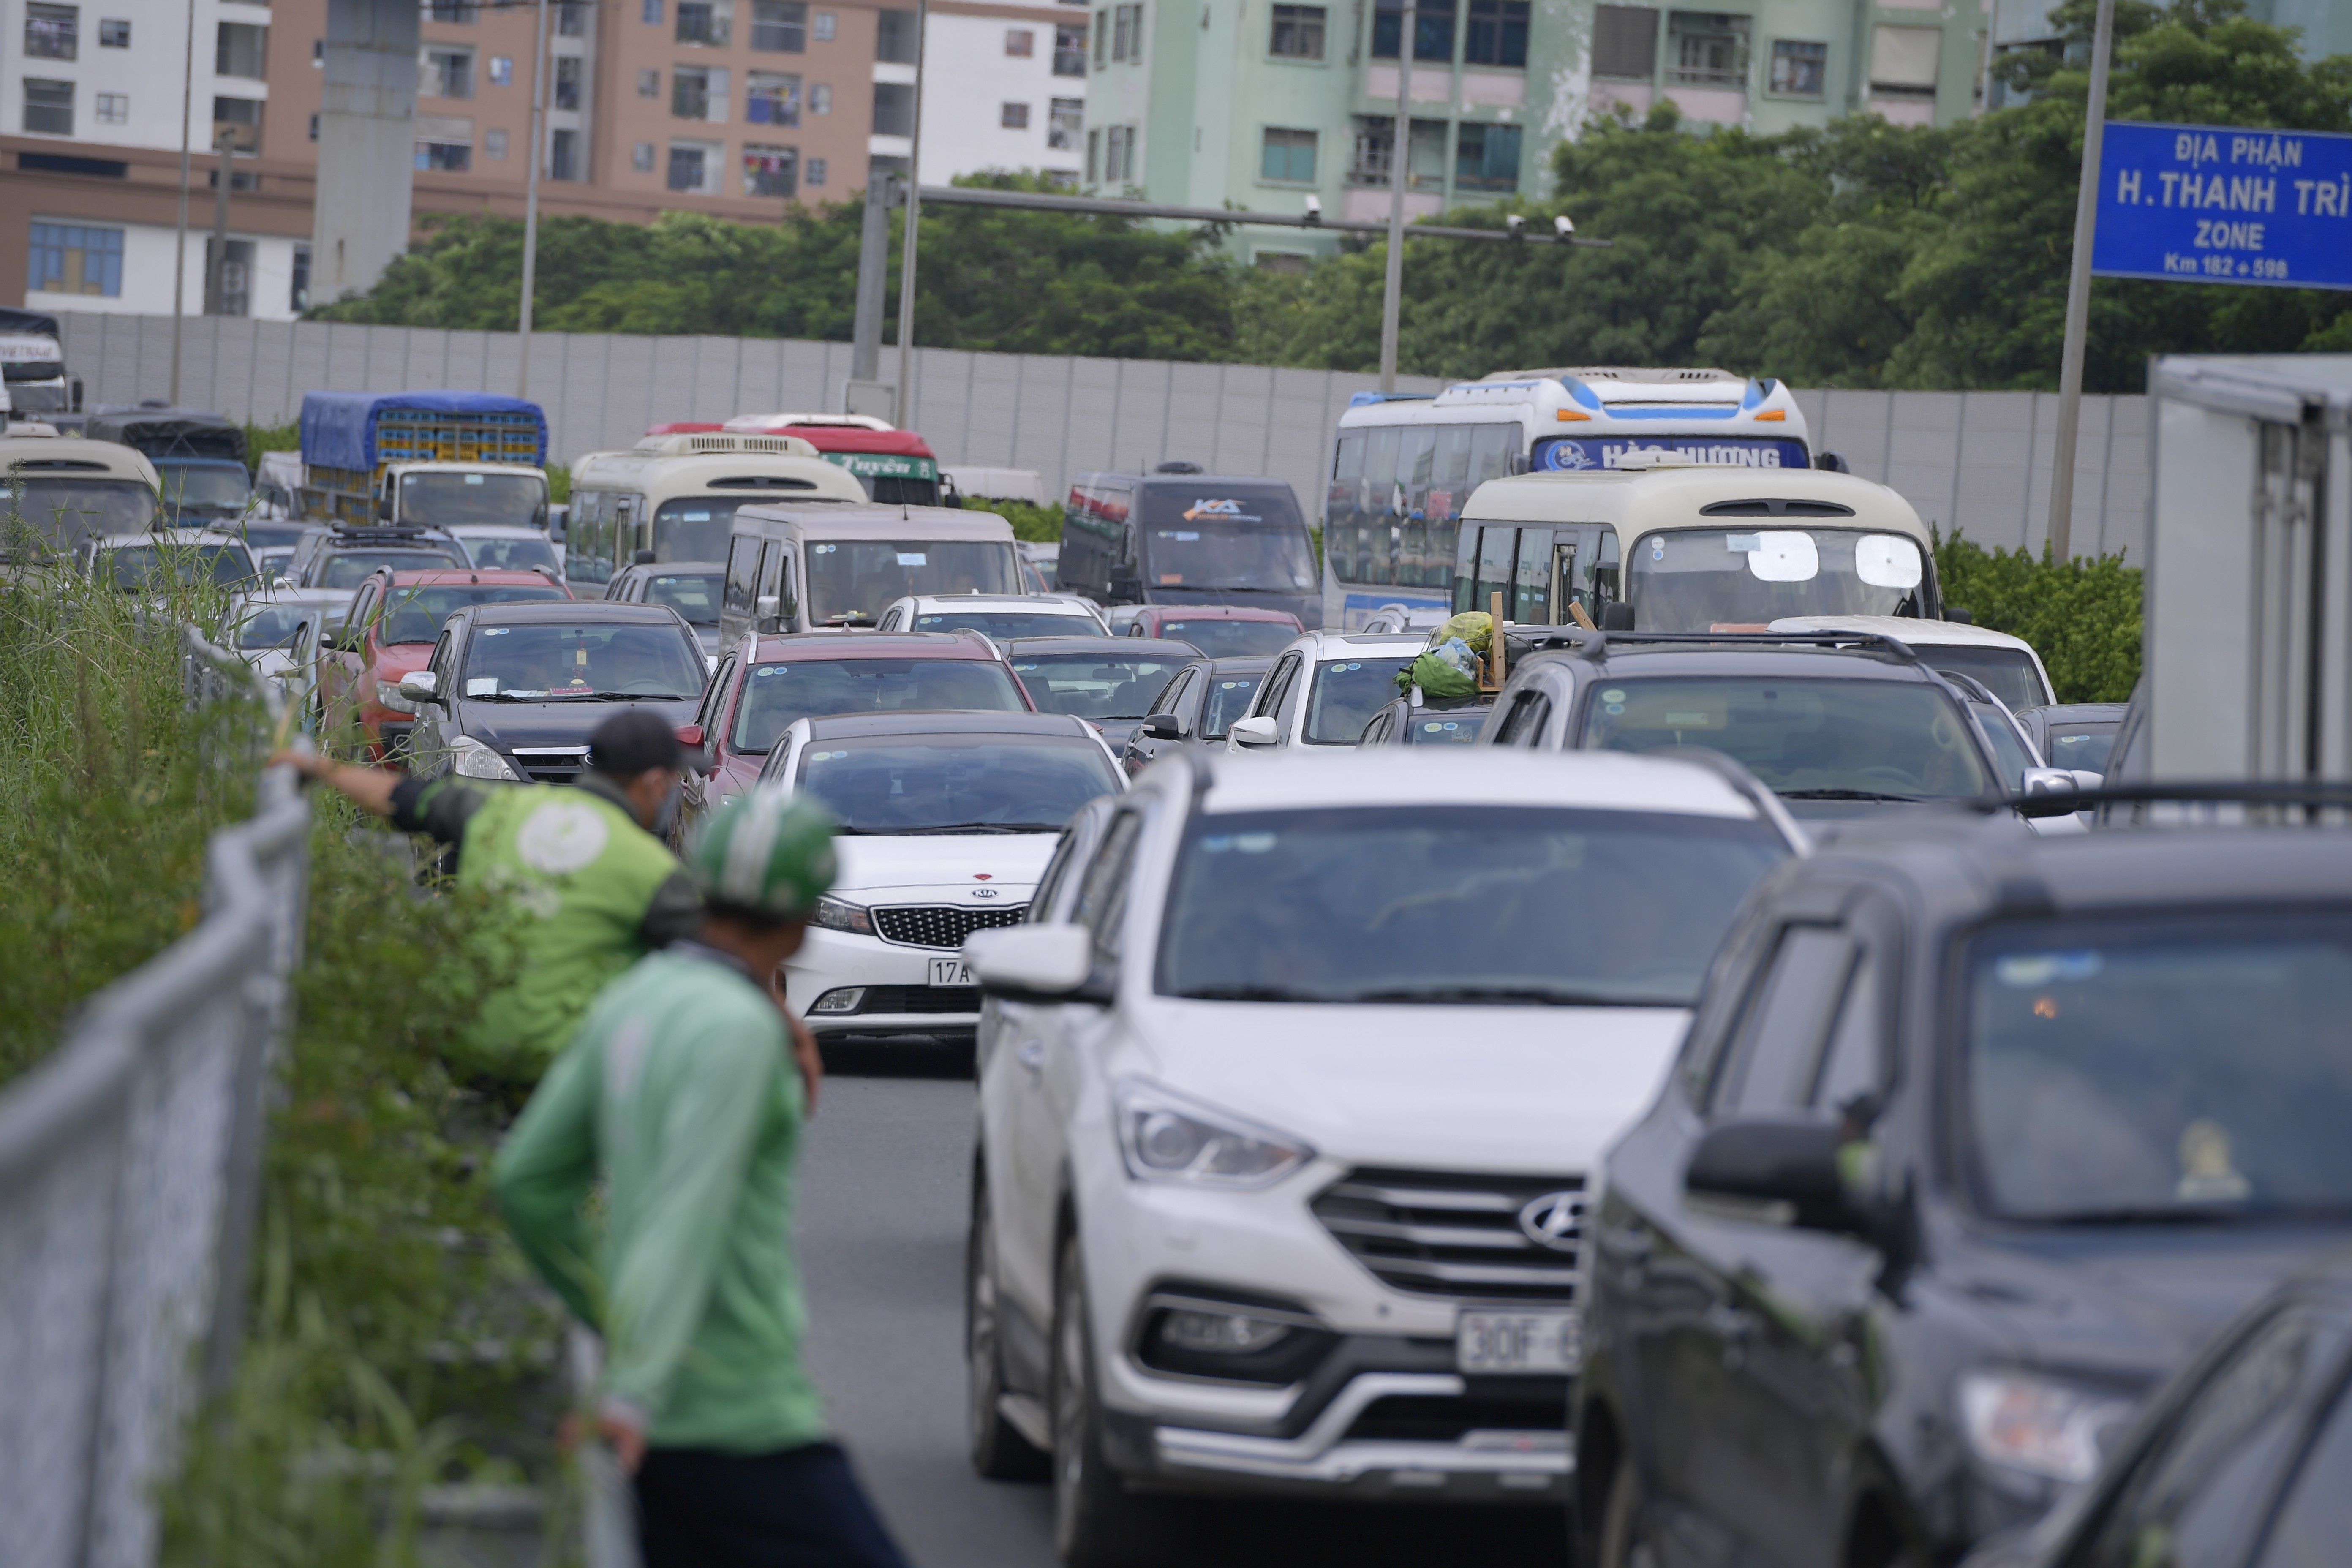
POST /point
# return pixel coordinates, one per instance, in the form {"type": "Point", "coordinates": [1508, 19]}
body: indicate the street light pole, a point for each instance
{"type": "Point", "coordinates": [530, 199]}
{"type": "Point", "coordinates": [904, 404]}
{"type": "Point", "coordinates": [1400, 170]}
{"type": "Point", "coordinates": [217, 264]}
{"type": "Point", "coordinates": [2078, 291]}
{"type": "Point", "coordinates": [180, 246]}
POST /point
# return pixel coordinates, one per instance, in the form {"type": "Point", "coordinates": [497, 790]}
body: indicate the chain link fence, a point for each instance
{"type": "Point", "coordinates": [130, 1176]}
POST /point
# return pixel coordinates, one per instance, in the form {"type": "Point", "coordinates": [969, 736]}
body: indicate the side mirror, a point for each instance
{"type": "Point", "coordinates": [2048, 792]}
{"type": "Point", "coordinates": [1616, 615]}
{"type": "Point", "coordinates": [383, 508]}
{"type": "Point", "coordinates": [1959, 618]}
{"type": "Point", "coordinates": [1035, 963]}
{"type": "Point", "coordinates": [1772, 1173]}
{"type": "Point", "coordinates": [1162, 727]}
{"type": "Point", "coordinates": [766, 611]}
{"type": "Point", "coordinates": [690, 734]}
{"type": "Point", "coordinates": [421, 685]}
{"type": "Point", "coordinates": [1251, 733]}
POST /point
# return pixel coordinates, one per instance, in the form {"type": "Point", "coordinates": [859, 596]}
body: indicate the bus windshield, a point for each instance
{"type": "Point", "coordinates": [856, 580]}
{"type": "Point", "coordinates": [1743, 579]}
{"type": "Point", "coordinates": [1232, 539]}
{"type": "Point", "coordinates": [443, 500]}
{"type": "Point", "coordinates": [57, 514]}
{"type": "Point", "coordinates": [695, 527]}
{"type": "Point", "coordinates": [205, 486]}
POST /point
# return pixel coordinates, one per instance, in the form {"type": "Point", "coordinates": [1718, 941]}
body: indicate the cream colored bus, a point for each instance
{"type": "Point", "coordinates": [677, 495]}
{"type": "Point", "coordinates": [1666, 544]}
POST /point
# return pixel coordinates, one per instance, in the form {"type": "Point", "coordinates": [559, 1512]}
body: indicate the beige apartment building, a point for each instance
{"type": "Point", "coordinates": [736, 108]}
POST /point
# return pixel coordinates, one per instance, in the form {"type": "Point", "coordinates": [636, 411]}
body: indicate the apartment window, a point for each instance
{"type": "Point", "coordinates": [113, 109]}
{"type": "Point", "coordinates": [1094, 145]}
{"type": "Point", "coordinates": [501, 70]}
{"type": "Point", "coordinates": [459, 11]}
{"type": "Point", "coordinates": [641, 157]}
{"type": "Point", "coordinates": [1064, 122]}
{"type": "Point", "coordinates": [240, 49]}
{"type": "Point", "coordinates": [567, 69]}
{"type": "Point", "coordinates": [694, 166]}
{"type": "Point", "coordinates": [1433, 30]}
{"type": "Point", "coordinates": [240, 119]}
{"type": "Point", "coordinates": [1118, 155]}
{"type": "Point", "coordinates": [1287, 155]}
{"type": "Point", "coordinates": [1013, 116]}
{"type": "Point", "coordinates": [820, 28]}
{"type": "Point", "coordinates": [314, 127]}
{"type": "Point", "coordinates": [445, 73]}
{"type": "Point", "coordinates": [1297, 33]}
{"type": "Point", "coordinates": [814, 175]}
{"type": "Point", "coordinates": [1708, 46]}
{"type": "Point", "coordinates": [893, 109]}
{"type": "Point", "coordinates": [114, 34]}
{"type": "Point", "coordinates": [1625, 41]}
{"type": "Point", "coordinates": [1801, 70]}
{"type": "Point", "coordinates": [780, 26]}
{"type": "Point", "coordinates": [652, 12]}
{"type": "Point", "coordinates": [70, 258]}
{"type": "Point", "coordinates": [1486, 157]}
{"type": "Point", "coordinates": [894, 36]}
{"type": "Point", "coordinates": [238, 179]}
{"type": "Point", "coordinates": [443, 157]}
{"type": "Point", "coordinates": [705, 22]}
{"type": "Point", "coordinates": [52, 32]}
{"type": "Point", "coordinates": [1020, 43]}
{"type": "Point", "coordinates": [1070, 49]}
{"type": "Point", "coordinates": [1127, 34]}
{"type": "Point", "coordinates": [1904, 60]}
{"type": "Point", "coordinates": [819, 98]}
{"type": "Point", "coordinates": [318, 54]}
{"type": "Point", "coordinates": [1376, 153]}
{"type": "Point", "coordinates": [1102, 36]}
{"type": "Point", "coordinates": [649, 84]}
{"type": "Point", "coordinates": [773, 100]}
{"type": "Point", "coordinates": [494, 144]}
{"type": "Point", "coordinates": [299, 295]}
{"type": "Point", "coordinates": [563, 155]}
{"type": "Point", "coordinates": [572, 19]}
{"type": "Point", "coordinates": [771, 172]}
{"type": "Point", "coordinates": [1498, 34]}
{"type": "Point", "coordinates": [49, 107]}
{"type": "Point", "coordinates": [698, 93]}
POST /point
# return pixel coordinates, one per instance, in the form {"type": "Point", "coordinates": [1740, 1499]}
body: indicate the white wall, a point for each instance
{"type": "Point", "coordinates": [150, 70]}
{"type": "Point", "coordinates": [971, 81]}
{"type": "Point", "coordinates": [147, 250]}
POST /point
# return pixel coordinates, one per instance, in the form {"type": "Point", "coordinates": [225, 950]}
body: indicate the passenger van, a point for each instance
{"type": "Point", "coordinates": [677, 495]}
{"type": "Point", "coordinates": [1178, 536]}
{"type": "Point", "coordinates": [1662, 543]}
{"type": "Point", "coordinates": [793, 566]}
{"type": "Point", "coordinates": [1403, 463]}
{"type": "Point", "coordinates": [74, 490]}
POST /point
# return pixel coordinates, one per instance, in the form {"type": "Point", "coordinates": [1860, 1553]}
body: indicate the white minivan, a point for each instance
{"type": "Point", "coordinates": [795, 566]}
{"type": "Point", "coordinates": [1292, 1092]}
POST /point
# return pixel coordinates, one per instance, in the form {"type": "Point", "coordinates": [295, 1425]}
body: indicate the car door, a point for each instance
{"type": "Point", "coordinates": [695, 794]}
{"type": "Point", "coordinates": [342, 665]}
{"type": "Point", "coordinates": [428, 743]}
{"type": "Point", "coordinates": [1274, 696]}
{"type": "Point", "coordinates": [1142, 748]}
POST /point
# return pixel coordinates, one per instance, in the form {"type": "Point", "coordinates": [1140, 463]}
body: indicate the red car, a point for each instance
{"type": "Point", "coordinates": [394, 619]}
{"type": "Point", "coordinates": [1220, 631]}
{"type": "Point", "coordinates": [769, 681]}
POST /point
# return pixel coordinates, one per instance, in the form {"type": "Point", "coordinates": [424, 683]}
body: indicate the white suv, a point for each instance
{"type": "Point", "coordinates": [1290, 1095]}
{"type": "Point", "coordinates": [999, 617]}
{"type": "Point", "coordinates": [1323, 689]}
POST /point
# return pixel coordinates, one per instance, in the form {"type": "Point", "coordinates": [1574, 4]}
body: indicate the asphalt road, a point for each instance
{"type": "Point", "coordinates": [882, 1223]}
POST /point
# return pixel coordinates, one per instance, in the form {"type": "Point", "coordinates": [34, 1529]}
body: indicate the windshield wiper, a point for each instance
{"type": "Point", "coordinates": [985, 827]}
{"type": "Point", "coordinates": [1847, 794]}
{"type": "Point", "coordinates": [1540, 996]}
{"type": "Point", "coordinates": [1249, 994]}
{"type": "Point", "coordinates": [2204, 1213]}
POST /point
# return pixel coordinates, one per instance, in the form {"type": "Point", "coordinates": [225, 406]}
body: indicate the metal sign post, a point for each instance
{"type": "Point", "coordinates": [2078, 291]}
{"type": "Point", "coordinates": [530, 203]}
{"type": "Point", "coordinates": [1400, 170]}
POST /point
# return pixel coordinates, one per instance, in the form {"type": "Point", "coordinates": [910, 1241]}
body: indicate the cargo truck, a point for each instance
{"type": "Point", "coordinates": [33, 371]}
{"type": "Point", "coordinates": [199, 456]}
{"type": "Point", "coordinates": [423, 459]}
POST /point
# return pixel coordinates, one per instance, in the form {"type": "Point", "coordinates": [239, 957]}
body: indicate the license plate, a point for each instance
{"type": "Point", "coordinates": [951, 972]}
{"type": "Point", "coordinates": [1518, 1343]}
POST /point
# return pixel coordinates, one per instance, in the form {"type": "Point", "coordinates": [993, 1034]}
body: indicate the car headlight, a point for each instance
{"type": "Point", "coordinates": [834, 915]}
{"type": "Point", "coordinates": [472, 759]}
{"type": "Point", "coordinates": [2031, 1424]}
{"type": "Point", "coordinates": [1167, 1138]}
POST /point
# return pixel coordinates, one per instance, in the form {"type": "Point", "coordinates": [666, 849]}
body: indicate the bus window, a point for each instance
{"type": "Point", "coordinates": [588, 550]}
{"type": "Point", "coordinates": [1530, 600]}
{"type": "Point", "coordinates": [1491, 452]}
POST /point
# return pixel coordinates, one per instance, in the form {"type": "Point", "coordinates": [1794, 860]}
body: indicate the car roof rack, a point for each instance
{"type": "Point", "coordinates": [2312, 794]}
{"type": "Point", "coordinates": [1594, 645]}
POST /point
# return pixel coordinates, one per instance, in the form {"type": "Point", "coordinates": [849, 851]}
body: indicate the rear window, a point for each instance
{"type": "Point", "coordinates": [2007, 672]}
{"type": "Point", "coordinates": [1221, 638]}
{"type": "Point", "coordinates": [774, 695]}
{"type": "Point", "coordinates": [1347, 692]}
{"type": "Point", "coordinates": [415, 615]}
{"type": "Point", "coordinates": [350, 568]}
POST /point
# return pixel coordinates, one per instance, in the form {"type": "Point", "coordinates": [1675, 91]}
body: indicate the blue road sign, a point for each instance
{"type": "Point", "coordinates": [2211, 203]}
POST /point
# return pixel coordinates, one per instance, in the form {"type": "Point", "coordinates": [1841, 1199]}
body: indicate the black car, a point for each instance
{"type": "Point", "coordinates": [1196, 709]}
{"type": "Point", "coordinates": [1112, 685]}
{"type": "Point", "coordinates": [692, 588]}
{"type": "Point", "coordinates": [1405, 723]}
{"type": "Point", "coordinates": [513, 691]}
{"type": "Point", "coordinates": [326, 557]}
{"type": "Point", "coordinates": [1974, 1137]}
{"type": "Point", "coordinates": [1840, 727]}
{"type": "Point", "coordinates": [2077, 735]}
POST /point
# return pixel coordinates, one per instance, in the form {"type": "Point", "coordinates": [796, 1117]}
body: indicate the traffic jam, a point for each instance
{"type": "Point", "coordinates": [1562, 975]}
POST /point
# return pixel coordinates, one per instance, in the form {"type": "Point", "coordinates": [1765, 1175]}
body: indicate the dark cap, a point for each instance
{"type": "Point", "coordinates": [626, 744]}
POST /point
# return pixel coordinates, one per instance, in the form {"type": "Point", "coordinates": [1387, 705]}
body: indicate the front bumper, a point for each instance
{"type": "Point", "coordinates": [898, 996]}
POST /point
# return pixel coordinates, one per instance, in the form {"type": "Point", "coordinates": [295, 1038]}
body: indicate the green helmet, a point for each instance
{"type": "Point", "coordinates": [765, 851]}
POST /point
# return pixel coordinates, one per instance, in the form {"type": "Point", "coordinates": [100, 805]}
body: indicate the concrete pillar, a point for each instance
{"type": "Point", "coordinates": [367, 144]}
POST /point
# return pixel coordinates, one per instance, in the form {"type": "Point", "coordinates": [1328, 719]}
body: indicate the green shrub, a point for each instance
{"type": "Point", "coordinates": [260, 438]}
{"type": "Point", "coordinates": [1036, 525]}
{"type": "Point", "coordinates": [2083, 617]}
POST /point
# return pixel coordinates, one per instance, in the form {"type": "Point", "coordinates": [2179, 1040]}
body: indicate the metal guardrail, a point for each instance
{"type": "Point", "coordinates": [130, 1176]}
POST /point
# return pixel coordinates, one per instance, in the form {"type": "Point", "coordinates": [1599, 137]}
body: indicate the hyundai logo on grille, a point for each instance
{"type": "Point", "coordinates": [1554, 1220]}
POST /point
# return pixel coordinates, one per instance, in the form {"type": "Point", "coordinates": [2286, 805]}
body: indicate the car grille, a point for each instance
{"type": "Point", "coordinates": [939, 925]}
{"type": "Point", "coordinates": [1540, 1404]}
{"type": "Point", "coordinates": [917, 999]}
{"type": "Point", "coordinates": [553, 765]}
{"type": "Point", "coordinates": [1442, 1234]}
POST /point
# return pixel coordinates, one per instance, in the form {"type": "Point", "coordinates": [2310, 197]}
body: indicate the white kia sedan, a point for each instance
{"type": "Point", "coordinates": [1291, 1096]}
{"type": "Point", "coordinates": [947, 818]}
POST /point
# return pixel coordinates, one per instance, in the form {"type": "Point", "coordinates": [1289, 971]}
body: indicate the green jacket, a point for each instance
{"type": "Point", "coordinates": [682, 1095]}
{"type": "Point", "coordinates": [592, 891]}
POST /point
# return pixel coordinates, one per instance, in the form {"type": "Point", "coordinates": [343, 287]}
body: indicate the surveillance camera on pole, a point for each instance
{"type": "Point", "coordinates": [1518, 224]}
{"type": "Point", "coordinates": [1562, 226]}
{"type": "Point", "coordinates": [1314, 209]}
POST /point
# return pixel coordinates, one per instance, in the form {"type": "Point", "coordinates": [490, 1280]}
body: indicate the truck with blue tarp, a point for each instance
{"type": "Point", "coordinates": [424, 459]}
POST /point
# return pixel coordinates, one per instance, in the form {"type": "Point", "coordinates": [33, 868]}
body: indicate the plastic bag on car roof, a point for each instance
{"type": "Point", "coordinates": [1447, 670]}
{"type": "Point", "coordinates": [1473, 628]}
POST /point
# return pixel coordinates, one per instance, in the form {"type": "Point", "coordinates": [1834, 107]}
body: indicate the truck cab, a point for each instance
{"type": "Point", "coordinates": [447, 495]}
{"type": "Point", "coordinates": [33, 372]}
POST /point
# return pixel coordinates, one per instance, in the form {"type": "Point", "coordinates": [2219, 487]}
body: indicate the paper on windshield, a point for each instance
{"type": "Point", "coordinates": [1778, 555]}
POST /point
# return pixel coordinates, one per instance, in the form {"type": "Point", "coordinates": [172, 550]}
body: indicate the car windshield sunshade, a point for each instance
{"type": "Point", "coordinates": [537, 663]}
{"type": "Point", "coordinates": [948, 784]}
{"type": "Point", "coordinates": [774, 695]}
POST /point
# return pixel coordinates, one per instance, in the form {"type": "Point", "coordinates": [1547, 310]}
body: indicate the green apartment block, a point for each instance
{"type": "Point", "coordinates": [1262, 104]}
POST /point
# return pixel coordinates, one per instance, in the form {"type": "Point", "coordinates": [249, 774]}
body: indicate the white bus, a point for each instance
{"type": "Point", "coordinates": [676, 496]}
{"type": "Point", "coordinates": [1403, 463]}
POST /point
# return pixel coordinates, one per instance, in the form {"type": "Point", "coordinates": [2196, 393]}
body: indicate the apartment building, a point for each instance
{"type": "Point", "coordinates": [736, 108]}
{"type": "Point", "coordinates": [1263, 104]}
